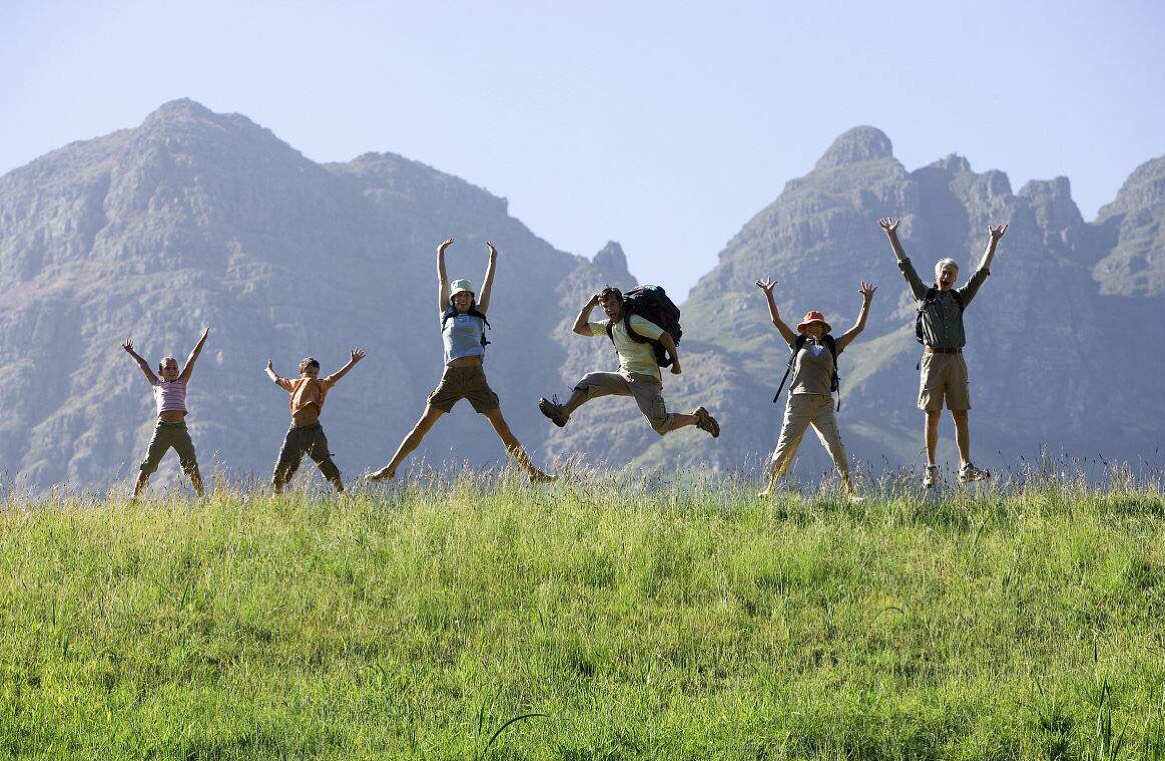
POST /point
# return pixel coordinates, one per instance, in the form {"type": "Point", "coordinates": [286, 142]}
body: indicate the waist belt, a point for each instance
{"type": "Point", "coordinates": [936, 350]}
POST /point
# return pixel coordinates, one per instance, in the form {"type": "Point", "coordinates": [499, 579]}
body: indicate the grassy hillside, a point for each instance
{"type": "Point", "coordinates": [622, 622]}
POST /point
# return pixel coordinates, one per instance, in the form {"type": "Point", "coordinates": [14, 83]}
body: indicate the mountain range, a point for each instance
{"type": "Point", "coordinates": [198, 218]}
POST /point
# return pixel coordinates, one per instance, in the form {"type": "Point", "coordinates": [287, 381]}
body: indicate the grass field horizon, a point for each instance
{"type": "Point", "coordinates": [598, 618]}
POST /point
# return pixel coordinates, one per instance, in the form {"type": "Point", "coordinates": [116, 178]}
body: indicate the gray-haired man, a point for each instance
{"type": "Point", "coordinates": [943, 369]}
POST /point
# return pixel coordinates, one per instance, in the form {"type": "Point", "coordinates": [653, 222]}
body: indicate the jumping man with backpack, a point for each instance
{"type": "Point", "coordinates": [463, 325]}
{"type": "Point", "coordinates": [813, 365]}
{"type": "Point", "coordinates": [643, 347]}
{"type": "Point", "coordinates": [939, 328]}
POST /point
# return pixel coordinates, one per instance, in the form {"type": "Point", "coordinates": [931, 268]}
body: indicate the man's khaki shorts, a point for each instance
{"type": "Point", "coordinates": [943, 377]}
{"type": "Point", "coordinates": [647, 393]}
{"type": "Point", "coordinates": [466, 382]}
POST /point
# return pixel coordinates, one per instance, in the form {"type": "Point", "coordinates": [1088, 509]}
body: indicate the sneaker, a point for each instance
{"type": "Point", "coordinates": [540, 477]}
{"type": "Point", "coordinates": [384, 474]}
{"type": "Point", "coordinates": [931, 478]}
{"type": "Point", "coordinates": [552, 410]}
{"type": "Point", "coordinates": [705, 422]}
{"type": "Point", "coordinates": [969, 473]}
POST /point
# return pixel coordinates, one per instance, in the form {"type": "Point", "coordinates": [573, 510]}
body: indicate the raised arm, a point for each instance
{"type": "Point", "coordinates": [487, 285]}
{"type": "Point", "coordinates": [867, 291]}
{"type": "Point", "coordinates": [274, 376]}
{"type": "Point", "coordinates": [442, 278]}
{"type": "Point", "coordinates": [580, 322]}
{"type": "Point", "coordinates": [994, 233]}
{"type": "Point", "coordinates": [189, 366]}
{"type": "Point", "coordinates": [979, 276]}
{"type": "Point", "coordinates": [774, 314]}
{"type": "Point", "coordinates": [889, 226]}
{"type": "Point", "coordinates": [356, 355]}
{"type": "Point", "coordinates": [144, 365]}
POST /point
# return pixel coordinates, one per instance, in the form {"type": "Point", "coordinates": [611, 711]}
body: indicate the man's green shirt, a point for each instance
{"type": "Point", "coordinates": [942, 318]}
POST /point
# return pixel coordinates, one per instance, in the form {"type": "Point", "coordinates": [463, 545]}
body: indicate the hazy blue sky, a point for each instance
{"type": "Point", "coordinates": [660, 126]}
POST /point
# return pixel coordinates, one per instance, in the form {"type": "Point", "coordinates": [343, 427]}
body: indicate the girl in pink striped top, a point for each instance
{"type": "Point", "coordinates": [170, 398]}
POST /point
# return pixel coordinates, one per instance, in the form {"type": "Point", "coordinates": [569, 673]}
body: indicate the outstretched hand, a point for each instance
{"type": "Point", "coordinates": [205, 333]}
{"type": "Point", "coordinates": [889, 225]}
{"type": "Point", "coordinates": [766, 285]}
{"type": "Point", "coordinates": [489, 244]}
{"type": "Point", "coordinates": [675, 367]}
{"type": "Point", "coordinates": [358, 354]}
{"type": "Point", "coordinates": [867, 290]}
{"type": "Point", "coordinates": [444, 245]}
{"type": "Point", "coordinates": [996, 232]}
{"type": "Point", "coordinates": [270, 366]}
{"type": "Point", "coordinates": [128, 346]}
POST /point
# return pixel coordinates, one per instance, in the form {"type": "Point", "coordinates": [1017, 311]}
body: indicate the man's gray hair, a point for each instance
{"type": "Point", "coordinates": [941, 265]}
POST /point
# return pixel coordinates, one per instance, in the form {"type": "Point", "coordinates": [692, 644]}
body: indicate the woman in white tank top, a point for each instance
{"type": "Point", "coordinates": [169, 388]}
{"type": "Point", "coordinates": [463, 325]}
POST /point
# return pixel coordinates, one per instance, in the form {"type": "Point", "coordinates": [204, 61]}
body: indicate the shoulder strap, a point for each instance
{"type": "Point", "coordinates": [798, 344]}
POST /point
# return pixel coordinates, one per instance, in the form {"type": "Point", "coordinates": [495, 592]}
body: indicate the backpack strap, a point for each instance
{"type": "Point", "coordinates": [635, 335]}
{"type": "Point", "coordinates": [451, 312]}
{"type": "Point", "coordinates": [798, 344]}
{"type": "Point", "coordinates": [834, 381]}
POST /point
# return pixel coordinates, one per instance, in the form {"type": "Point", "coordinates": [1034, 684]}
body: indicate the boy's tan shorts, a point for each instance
{"type": "Point", "coordinates": [466, 382]}
{"type": "Point", "coordinates": [943, 377]}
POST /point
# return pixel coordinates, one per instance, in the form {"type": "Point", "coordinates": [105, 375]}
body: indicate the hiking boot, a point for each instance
{"type": "Point", "coordinates": [705, 422]}
{"type": "Point", "coordinates": [969, 473]}
{"type": "Point", "coordinates": [931, 477]}
{"type": "Point", "coordinates": [553, 411]}
{"type": "Point", "coordinates": [540, 477]}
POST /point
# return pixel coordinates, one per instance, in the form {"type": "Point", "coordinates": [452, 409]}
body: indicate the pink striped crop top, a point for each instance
{"type": "Point", "coordinates": [170, 396]}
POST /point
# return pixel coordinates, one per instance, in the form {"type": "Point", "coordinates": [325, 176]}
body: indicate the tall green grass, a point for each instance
{"type": "Point", "coordinates": [589, 620]}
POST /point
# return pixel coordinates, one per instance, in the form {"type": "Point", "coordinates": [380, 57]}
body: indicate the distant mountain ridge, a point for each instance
{"type": "Point", "coordinates": [199, 218]}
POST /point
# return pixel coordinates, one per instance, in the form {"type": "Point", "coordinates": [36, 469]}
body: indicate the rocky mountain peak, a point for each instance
{"type": "Point", "coordinates": [180, 109]}
{"type": "Point", "coordinates": [1144, 189]}
{"type": "Point", "coordinates": [856, 145]}
{"type": "Point", "coordinates": [1052, 202]}
{"type": "Point", "coordinates": [611, 258]}
{"type": "Point", "coordinates": [953, 164]}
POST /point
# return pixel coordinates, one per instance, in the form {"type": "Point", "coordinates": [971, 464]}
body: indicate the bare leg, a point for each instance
{"type": "Point", "coordinates": [679, 420]}
{"type": "Point", "coordinates": [140, 486]}
{"type": "Point", "coordinates": [411, 442]}
{"type": "Point", "coordinates": [196, 480]}
{"type": "Point", "coordinates": [962, 435]}
{"type": "Point", "coordinates": [513, 446]}
{"type": "Point", "coordinates": [577, 398]}
{"type": "Point", "coordinates": [931, 437]}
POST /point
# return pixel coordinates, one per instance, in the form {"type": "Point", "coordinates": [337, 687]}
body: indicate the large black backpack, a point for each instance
{"type": "Point", "coordinates": [927, 300]}
{"type": "Point", "coordinates": [451, 312]}
{"type": "Point", "coordinates": [798, 345]}
{"type": "Point", "coordinates": [652, 304]}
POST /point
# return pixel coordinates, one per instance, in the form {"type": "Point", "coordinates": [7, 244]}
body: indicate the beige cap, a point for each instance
{"type": "Point", "coordinates": [460, 286]}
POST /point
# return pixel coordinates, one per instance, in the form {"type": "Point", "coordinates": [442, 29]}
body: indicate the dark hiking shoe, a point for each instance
{"type": "Point", "coordinates": [931, 478]}
{"type": "Point", "coordinates": [705, 422]}
{"type": "Point", "coordinates": [552, 410]}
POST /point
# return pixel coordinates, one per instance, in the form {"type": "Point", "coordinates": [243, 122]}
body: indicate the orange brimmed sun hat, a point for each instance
{"type": "Point", "coordinates": [812, 317]}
